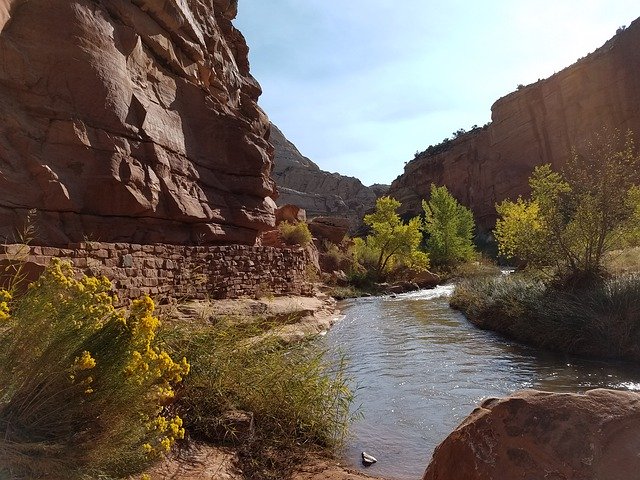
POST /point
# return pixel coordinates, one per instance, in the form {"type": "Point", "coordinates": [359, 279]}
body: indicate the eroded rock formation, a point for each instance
{"type": "Point", "coordinates": [535, 435]}
{"type": "Point", "coordinates": [130, 120]}
{"type": "Point", "coordinates": [301, 182]}
{"type": "Point", "coordinates": [539, 123]}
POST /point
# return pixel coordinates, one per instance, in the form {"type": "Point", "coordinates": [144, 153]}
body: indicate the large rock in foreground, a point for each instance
{"type": "Point", "coordinates": [536, 124]}
{"type": "Point", "coordinates": [130, 120]}
{"type": "Point", "coordinates": [535, 435]}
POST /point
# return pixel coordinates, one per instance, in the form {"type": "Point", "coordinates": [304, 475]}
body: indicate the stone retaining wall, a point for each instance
{"type": "Point", "coordinates": [179, 272]}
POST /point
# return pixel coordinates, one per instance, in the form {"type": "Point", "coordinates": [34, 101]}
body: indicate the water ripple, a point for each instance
{"type": "Point", "coordinates": [420, 368]}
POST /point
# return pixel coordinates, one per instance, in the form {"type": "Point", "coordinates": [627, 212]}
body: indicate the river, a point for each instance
{"type": "Point", "coordinates": [420, 368]}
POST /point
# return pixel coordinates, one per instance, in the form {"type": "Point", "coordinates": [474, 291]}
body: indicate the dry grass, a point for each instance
{"type": "Point", "coordinates": [599, 321]}
{"type": "Point", "coordinates": [619, 262]}
{"type": "Point", "coordinates": [299, 402]}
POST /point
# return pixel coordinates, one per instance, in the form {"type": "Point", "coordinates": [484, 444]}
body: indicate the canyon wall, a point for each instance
{"type": "Point", "coordinates": [174, 272]}
{"type": "Point", "coordinates": [130, 120]}
{"type": "Point", "coordinates": [302, 183]}
{"type": "Point", "coordinates": [537, 124]}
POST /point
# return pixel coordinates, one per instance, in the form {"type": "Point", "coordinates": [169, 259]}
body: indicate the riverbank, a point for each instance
{"type": "Point", "coordinates": [233, 451]}
{"type": "Point", "coordinates": [424, 280]}
{"type": "Point", "coordinates": [207, 462]}
{"type": "Point", "coordinates": [292, 318]}
{"type": "Point", "coordinates": [600, 321]}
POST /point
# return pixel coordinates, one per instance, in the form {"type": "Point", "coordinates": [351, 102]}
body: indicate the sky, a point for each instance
{"type": "Point", "coordinates": [360, 85]}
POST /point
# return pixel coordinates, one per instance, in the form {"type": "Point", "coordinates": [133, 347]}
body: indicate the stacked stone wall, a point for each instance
{"type": "Point", "coordinates": [179, 272]}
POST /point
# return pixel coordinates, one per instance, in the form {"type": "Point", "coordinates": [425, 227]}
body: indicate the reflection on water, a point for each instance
{"type": "Point", "coordinates": [420, 368]}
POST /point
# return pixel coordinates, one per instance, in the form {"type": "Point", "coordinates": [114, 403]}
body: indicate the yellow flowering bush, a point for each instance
{"type": "Point", "coordinates": [5, 297]}
{"type": "Point", "coordinates": [84, 387]}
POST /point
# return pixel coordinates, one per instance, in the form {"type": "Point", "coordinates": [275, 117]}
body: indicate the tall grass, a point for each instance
{"type": "Point", "coordinates": [84, 388]}
{"type": "Point", "coordinates": [298, 400]}
{"type": "Point", "coordinates": [600, 321]}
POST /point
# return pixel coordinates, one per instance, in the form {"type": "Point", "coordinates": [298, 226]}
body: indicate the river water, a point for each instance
{"type": "Point", "coordinates": [420, 368]}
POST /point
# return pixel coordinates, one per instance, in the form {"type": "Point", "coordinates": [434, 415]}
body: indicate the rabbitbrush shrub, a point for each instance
{"type": "Point", "coordinates": [298, 397]}
{"type": "Point", "coordinates": [85, 388]}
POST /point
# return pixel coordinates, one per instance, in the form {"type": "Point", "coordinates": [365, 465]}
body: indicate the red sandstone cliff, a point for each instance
{"type": "Point", "coordinates": [536, 124]}
{"type": "Point", "coordinates": [130, 120]}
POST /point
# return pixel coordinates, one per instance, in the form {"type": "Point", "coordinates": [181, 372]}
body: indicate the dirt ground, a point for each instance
{"type": "Point", "coordinates": [206, 462]}
{"type": "Point", "coordinates": [295, 318]}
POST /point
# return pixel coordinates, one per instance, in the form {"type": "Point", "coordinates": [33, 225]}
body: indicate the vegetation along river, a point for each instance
{"type": "Point", "coordinates": [420, 368]}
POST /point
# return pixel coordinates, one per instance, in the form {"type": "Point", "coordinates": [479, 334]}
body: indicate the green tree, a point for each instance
{"type": "Point", "coordinates": [449, 226]}
{"type": "Point", "coordinates": [392, 243]}
{"type": "Point", "coordinates": [573, 218]}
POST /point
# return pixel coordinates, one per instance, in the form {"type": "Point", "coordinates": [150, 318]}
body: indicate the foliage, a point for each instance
{"type": "Point", "coordinates": [295, 233]}
{"type": "Point", "coordinates": [391, 243]}
{"type": "Point", "coordinates": [85, 389]}
{"type": "Point", "coordinates": [574, 217]}
{"type": "Point", "coordinates": [520, 231]}
{"type": "Point", "coordinates": [444, 145]}
{"type": "Point", "coordinates": [299, 400]}
{"type": "Point", "coordinates": [600, 321]}
{"type": "Point", "coordinates": [449, 226]}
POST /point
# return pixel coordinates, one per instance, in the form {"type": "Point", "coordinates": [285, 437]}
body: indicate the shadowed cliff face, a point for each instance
{"type": "Point", "coordinates": [537, 124]}
{"type": "Point", "coordinates": [130, 120]}
{"type": "Point", "coordinates": [301, 182]}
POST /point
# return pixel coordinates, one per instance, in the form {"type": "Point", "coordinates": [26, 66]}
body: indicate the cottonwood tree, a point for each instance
{"type": "Point", "coordinates": [573, 218]}
{"type": "Point", "coordinates": [449, 227]}
{"type": "Point", "coordinates": [391, 243]}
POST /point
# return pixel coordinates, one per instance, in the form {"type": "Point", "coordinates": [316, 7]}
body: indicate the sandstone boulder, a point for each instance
{"type": "Point", "coordinates": [536, 124]}
{"type": "Point", "coordinates": [537, 435]}
{"type": "Point", "coordinates": [290, 213]}
{"type": "Point", "coordinates": [332, 229]}
{"type": "Point", "coordinates": [131, 120]}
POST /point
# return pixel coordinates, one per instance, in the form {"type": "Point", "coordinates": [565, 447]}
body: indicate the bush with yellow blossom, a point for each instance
{"type": "Point", "coordinates": [85, 388]}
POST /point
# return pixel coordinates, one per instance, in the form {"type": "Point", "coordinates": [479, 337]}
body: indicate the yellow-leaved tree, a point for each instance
{"type": "Point", "coordinates": [392, 243]}
{"type": "Point", "coordinates": [574, 217]}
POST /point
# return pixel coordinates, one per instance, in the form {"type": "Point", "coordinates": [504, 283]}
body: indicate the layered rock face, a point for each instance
{"type": "Point", "coordinates": [130, 120]}
{"type": "Point", "coordinates": [535, 435]}
{"type": "Point", "coordinates": [537, 124]}
{"type": "Point", "coordinates": [302, 183]}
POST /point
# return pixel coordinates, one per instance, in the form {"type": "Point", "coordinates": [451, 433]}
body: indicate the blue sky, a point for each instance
{"type": "Point", "coordinates": [360, 85]}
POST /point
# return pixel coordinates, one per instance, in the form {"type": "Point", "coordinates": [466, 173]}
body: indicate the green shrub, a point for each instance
{"type": "Point", "coordinates": [449, 227]}
{"type": "Point", "coordinates": [84, 388]}
{"type": "Point", "coordinates": [391, 244]}
{"type": "Point", "coordinates": [295, 233]}
{"type": "Point", "coordinates": [299, 401]}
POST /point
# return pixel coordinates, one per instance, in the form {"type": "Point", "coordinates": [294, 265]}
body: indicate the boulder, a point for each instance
{"type": "Point", "coordinates": [538, 435]}
{"type": "Point", "coordinates": [402, 287]}
{"type": "Point", "coordinates": [131, 121]}
{"type": "Point", "coordinates": [426, 279]}
{"type": "Point", "coordinates": [333, 229]}
{"type": "Point", "coordinates": [290, 213]}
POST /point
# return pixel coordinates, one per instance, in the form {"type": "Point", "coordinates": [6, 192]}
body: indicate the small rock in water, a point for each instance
{"type": "Point", "coordinates": [368, 460]}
